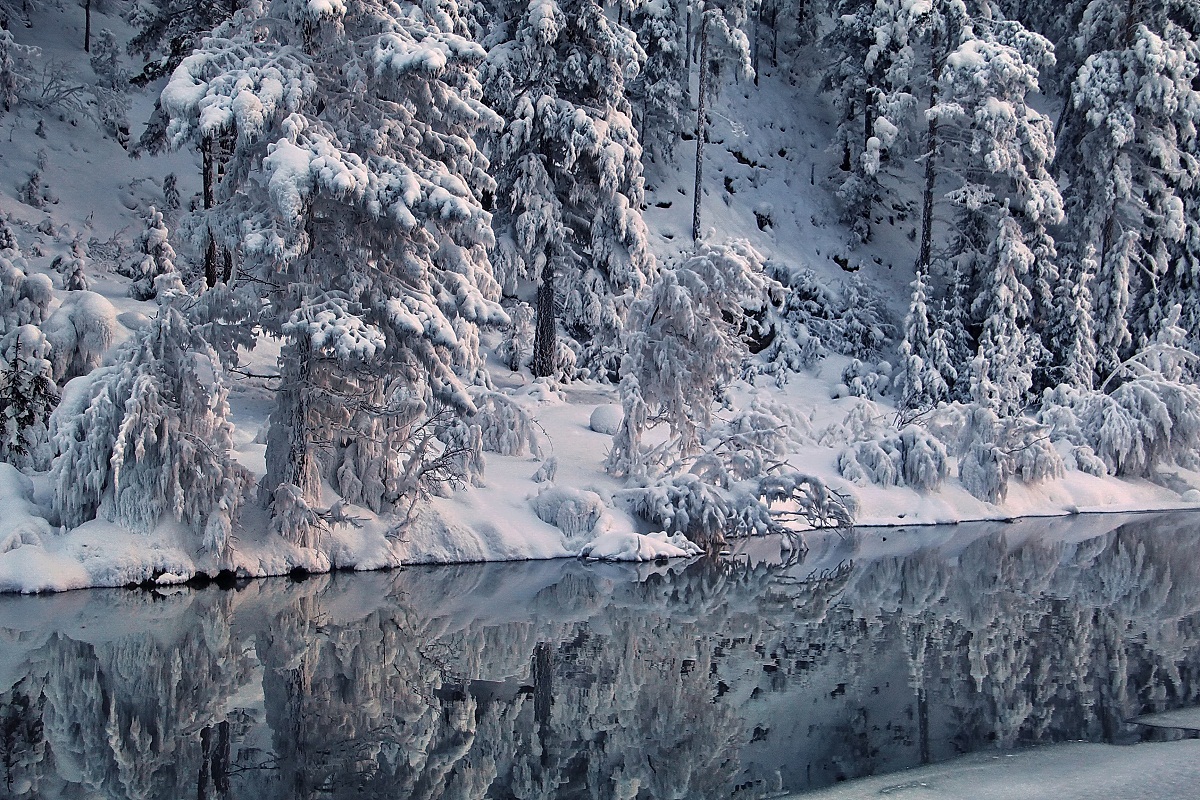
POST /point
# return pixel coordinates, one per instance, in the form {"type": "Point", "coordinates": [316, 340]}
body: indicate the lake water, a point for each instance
{"type": "Point", "coordinates": [741, 677]}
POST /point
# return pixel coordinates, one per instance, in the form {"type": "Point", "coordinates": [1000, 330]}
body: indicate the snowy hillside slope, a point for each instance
{"type": "Point", "coordinates": [769, 179]}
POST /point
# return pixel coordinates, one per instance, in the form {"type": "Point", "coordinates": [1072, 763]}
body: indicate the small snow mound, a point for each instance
{"type": "Point", "coordinates": [606, 419]}
{"type": "Point", "coordinates": [573, 511]}
{"type": "Point", "coordinates": [171, 579]}
{"type": "Point", "coordinates": [20, 523]}
{"type": "Point", "coordinates": [629, 546]}
{"type": "Point", "coordinates": [133, 320]}
{"type": "Point", "coordinates": [1191, 496]}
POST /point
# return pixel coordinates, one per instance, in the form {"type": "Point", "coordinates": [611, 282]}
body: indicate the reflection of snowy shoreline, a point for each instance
{"type": "Point", "coordinates": [687, 678]}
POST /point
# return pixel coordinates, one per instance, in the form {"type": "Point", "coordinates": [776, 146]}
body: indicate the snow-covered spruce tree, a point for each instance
{"type": "Point", "coordinates": [868, 76]}
{"type": "Point", "coordinates": [15, 68]}
{"type": "Point", "coordinates": [919, 381]}
{"type": "Point", "coordinates": [353, 186]}
{"type": "Point", "coordinates": [568, 162]}
{"type": "Point", "coordinates": [157, 257]}
{"type": "Point", "coordinates": [658, 95]}
{"type": "Point", "coordinates": [72, 266]}
{"type": "Point", "coordinates": [112, 87]}
{"type": "Point", "coordinates": [723, 44]}
{"type": "Point", "coordinates": [1000, 148]}
{"type": "Point", "coordinates": [27, 396]}
{"type": "Point", "coordinates": [1007, 354]}
{"type": "Point", "coordinates": [147, 437]}
{"type": "Point", "coordinates": [1072, 331]}
{"type": "Point", "coordinates": [171, 30]}
{"type": "Point", "coordinates": [1129, 151]}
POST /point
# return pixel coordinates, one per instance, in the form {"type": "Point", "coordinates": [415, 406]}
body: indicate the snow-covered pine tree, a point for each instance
{"type": "Point", "coordinates": [354, 185]}
{"type": "Point", "coordinates": [24, 299]}
{"type": "Point", "coordinates": [157, 257]}
{"type": "Point", "coordinates": [148, 437]}
{"type": "Point", "coordinates": [1072, 331]}
{"type": "Point", "coordinates": [1129, 152]}
{"type": "Point", "coordinates": [27, 396]}
{"type": "Point", "coordinates": [569, 167]}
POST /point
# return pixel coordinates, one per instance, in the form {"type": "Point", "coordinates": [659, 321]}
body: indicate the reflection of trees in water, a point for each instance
{"type": "Point", "coordinates": [1005, 642]}
{"type": "Point", "coordinates": [570, 680]}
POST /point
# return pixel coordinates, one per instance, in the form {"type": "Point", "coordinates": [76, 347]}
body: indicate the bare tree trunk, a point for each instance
{"type": "Point", "coordinates": [701, 123]}
{"type": "Point", "coordinates": [545, 340]}
{"type": "Point", "coordinates": [87, 26]}
{"type": "Point", "coordinates": [687, 55]}
{"type": "Point", "coordinates": [209, 196]}
{"type": "Point", "coordinates": [868, 132]}
{"type": "Point", "coordinates": [924, 255]}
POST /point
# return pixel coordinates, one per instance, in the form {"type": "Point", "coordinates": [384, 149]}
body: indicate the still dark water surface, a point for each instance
{"type": "Point", "coordinates": [738, 678]}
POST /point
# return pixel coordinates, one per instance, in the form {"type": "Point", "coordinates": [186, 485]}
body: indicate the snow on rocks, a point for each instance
{"type": "Point", "coordinates": [629, 546]}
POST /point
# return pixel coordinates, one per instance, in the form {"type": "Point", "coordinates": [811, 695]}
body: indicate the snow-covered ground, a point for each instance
{"type": "Point", "coordinates": [1162, 771]}
{"type": "Point", "coordinates": [759, 163]}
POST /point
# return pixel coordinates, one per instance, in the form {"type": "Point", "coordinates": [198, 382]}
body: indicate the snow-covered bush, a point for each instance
{"type": "Point", "coordinates": [914, 457]}
{"type": "Point", "coordinates": [27, 396]}
{"type": "Point", "coordinates": [923, 464]}
{"type": "Point", "coordinates": [71, 267]}
{"type": "Point", "coordinates": [985, 471]}
{"type": "Point", "coordinates": [148, 437]}
{"type": "Point", "coordinates": [805, 498]}
{"type": "Point", "coordinates": [80, 331]}
{"type": "Point", "coordinates": [574, 511]}
{"type": "Point", "coordinates": [995, 450]}
{"type": "Point", "coordinates": [683, 348]}
{"type": "Point", "coordinates": [24, 298]}
{"type": "Point", "coordinates": [1142, 424]}
{"type": "Point", "coordinates": [865, 421]}
{"type": "Point", "coordinates": [506, 427]}
{"type": "Point", "coordinates": [688, 505]}
{"type": "Point", "coordinates": [788, 326]}
{"type": "Point", "coordinates": [871, 381]}
{"type": "Point", "coordinates": [517, 342]}
{"type": "Point", "coordinates": [783, 501]}
{"type": "Point", "coordinates": [1034, 457]}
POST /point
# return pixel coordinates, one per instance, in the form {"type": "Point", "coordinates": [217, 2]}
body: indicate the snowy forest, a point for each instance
{"type": "Point", "coordinates": [345, 283]}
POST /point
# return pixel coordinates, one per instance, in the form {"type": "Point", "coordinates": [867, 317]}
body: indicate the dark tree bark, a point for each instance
{"type": "Point", "coordinates": [87, 26]}
{"type": "Point", "coordinates": [701, 123]}
{"type": "Point", "coordinates": [209, 196]}
{"type": "Point", "coordinates": [545, 340]}
{"type": "Point", "coordinates": [925, 255]}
